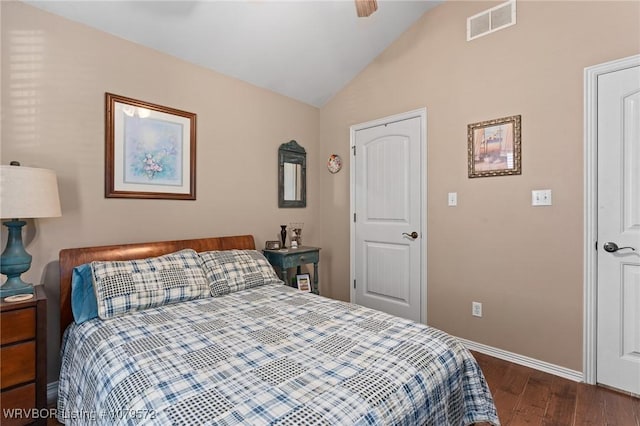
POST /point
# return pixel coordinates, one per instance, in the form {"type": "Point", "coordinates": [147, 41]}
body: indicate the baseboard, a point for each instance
{"type": "Point", "coordinates": [546, 367]}
{"type": "Point", "coordinates": [52, 392]}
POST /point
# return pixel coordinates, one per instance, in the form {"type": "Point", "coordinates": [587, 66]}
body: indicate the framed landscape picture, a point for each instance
{"type": "Point", "coordinates": [150, 150]}
{"type": "Point", "coordinates": [494, 147]}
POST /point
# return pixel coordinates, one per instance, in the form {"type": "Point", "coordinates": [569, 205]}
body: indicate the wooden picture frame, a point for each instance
{"type": "Point", "coordinates": [150, 150]}
{"type": "Point", "coordinates": [494, 147]}
{"type": "Point", "coordinates": [303, 282]}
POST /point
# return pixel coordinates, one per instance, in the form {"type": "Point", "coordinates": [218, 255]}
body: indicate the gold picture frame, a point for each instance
{"type": "Point", "coordinates": [150, 150]}
{"type": "Point", "coordinates": [494, 147]}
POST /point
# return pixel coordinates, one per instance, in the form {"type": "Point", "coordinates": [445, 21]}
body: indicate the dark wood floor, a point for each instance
{"type": "Point", "coordinates": [525, 396]}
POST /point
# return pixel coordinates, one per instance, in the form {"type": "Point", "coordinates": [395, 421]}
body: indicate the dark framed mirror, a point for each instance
{"type": "Point", "coordinates": [292, 175]}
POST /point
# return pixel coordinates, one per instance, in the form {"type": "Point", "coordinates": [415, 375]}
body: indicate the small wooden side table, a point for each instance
{"type": "Point", "coordinates": [294, 258]}
{"type": "Point", "coordinates": [23, 357]}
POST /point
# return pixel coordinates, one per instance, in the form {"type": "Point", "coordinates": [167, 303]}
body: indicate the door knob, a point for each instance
{"type": "Point", "coordinates": [613, 247]}
{"type": "Point", "coordinates": [413, 235]}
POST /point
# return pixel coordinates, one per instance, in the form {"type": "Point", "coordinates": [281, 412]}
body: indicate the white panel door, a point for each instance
{"type": "Point", "coordinates": [618, 338]}
{"type": "Point", "coordinates": [388, 217]}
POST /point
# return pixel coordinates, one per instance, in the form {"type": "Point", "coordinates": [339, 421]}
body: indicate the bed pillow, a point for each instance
{"type": "Point", "coordinates": [134, 285]}
{"type": "Point", "coordinates": [229, 271]}
{"type": "Point", "coordinates": [83, 298]}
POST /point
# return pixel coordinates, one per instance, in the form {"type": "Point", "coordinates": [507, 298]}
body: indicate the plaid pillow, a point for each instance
{"type": "Point", "coordinates": [134, 285]}
{"type": "Point", "coordinates": [232, 270]}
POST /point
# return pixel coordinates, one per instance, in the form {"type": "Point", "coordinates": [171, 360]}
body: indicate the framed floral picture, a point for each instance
{"type": "Point", "coordinates": [150, 150]}
{"type": "Point", "coordinates": [494, 147]}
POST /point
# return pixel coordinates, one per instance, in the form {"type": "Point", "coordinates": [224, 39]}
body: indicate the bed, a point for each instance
{"type": "Point", "coordinates": [260, 354]}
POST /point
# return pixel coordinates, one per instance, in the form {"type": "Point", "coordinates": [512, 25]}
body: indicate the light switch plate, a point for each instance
{"type": "Point", "coordinates": [541, 197]}
{"type": "Point", "coordinates": [453, 199]}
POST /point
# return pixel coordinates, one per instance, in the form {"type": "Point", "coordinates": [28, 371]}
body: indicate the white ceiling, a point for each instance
{"type": "Point", "coordinates": [305, 49]}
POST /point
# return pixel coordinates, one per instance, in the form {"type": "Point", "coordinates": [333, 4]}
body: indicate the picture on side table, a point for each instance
{"type": "Point", "coordinates": [303, 282]}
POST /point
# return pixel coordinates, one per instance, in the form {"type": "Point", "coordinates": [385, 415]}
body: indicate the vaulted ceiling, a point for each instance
{"type": "Point", "coordinates": [305, 49]}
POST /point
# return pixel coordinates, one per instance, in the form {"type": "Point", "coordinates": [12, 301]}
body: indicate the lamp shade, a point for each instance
{"type": "Point", "coordinates": [28, 192]}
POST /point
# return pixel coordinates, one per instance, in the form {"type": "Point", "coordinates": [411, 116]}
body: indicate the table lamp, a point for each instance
{"type": "Point", "coordinates": [25, 193]}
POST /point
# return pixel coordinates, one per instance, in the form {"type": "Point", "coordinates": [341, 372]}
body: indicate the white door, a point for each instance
{"type": "Point", "coordinates": [387, 184]}
{"type": "Point", "coordinates": [618, 335]}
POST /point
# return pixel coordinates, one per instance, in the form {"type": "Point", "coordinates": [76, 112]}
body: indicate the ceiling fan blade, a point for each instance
{"type": "Point", "coordinates": [366, 7]}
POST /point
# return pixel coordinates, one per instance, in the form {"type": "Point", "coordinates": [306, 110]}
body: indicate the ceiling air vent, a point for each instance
{"type": "Point", "coordinates": [491, 20]}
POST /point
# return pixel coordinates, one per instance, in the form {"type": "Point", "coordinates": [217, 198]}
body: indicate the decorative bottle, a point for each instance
{"type": "Point", "coordinates": [283, 235]}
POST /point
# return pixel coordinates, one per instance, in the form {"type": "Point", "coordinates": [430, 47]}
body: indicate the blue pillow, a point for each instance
{"type": "Point", "coordinates": [83, 298]}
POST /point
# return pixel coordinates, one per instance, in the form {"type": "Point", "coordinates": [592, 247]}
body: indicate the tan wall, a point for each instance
{"type": "Point", "coordinates": [523, 263]}
{"type": "Point", "coordinates": [54, 77]}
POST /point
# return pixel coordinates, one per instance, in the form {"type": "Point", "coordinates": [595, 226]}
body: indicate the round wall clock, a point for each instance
{"type": "Point", "coordinates": [335, 163]}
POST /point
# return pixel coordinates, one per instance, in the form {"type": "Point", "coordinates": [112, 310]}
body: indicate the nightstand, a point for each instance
{"type": "Point", "coordinates": [295, 258]}
{"type": "Point", "coordinates": [23, 358]}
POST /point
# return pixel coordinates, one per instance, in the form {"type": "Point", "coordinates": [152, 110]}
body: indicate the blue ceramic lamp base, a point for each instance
{"type": "Point", "coordinates": [12, 288]}
{"type": "Point", "coordinates": [14, 261]}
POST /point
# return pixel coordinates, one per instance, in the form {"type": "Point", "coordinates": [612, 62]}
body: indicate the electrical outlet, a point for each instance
{"type": "Point", "coordinates": [476, 309]}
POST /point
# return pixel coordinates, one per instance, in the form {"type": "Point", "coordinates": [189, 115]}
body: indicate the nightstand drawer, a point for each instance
{"type": "Point", "coordinates": [293, 260]}
{"type": "Point", "coordinates": [23, 357]}
{"type": "Point", "coordinates": [23, 398]}
{"type": "Point", "coordinates": [18, 364]}
{"type": "Point", "coordinates": [18, 325]}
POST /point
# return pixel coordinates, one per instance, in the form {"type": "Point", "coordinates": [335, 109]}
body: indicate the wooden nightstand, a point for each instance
{"type": "Point", "coordinates": [295, 258]}
{"type": "Point", "coordinates": [23, 357]}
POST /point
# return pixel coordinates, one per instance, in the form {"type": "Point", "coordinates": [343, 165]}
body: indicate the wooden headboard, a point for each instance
{"type": "Point", "coordinates": [70, 258]}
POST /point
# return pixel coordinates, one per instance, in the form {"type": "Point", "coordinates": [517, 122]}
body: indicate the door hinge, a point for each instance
{"type": "Point", "coordinates": [596, 246]}
{"type": "Point", "coordinates": [354, 283]}
{"type": "Point", "coordinates": [354, 150]}
{"type": "Point", "coordinates": [354, 217]}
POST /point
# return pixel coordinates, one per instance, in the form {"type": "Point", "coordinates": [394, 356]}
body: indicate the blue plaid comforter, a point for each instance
{"type": "Point", "coordinates": [269, 355]}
